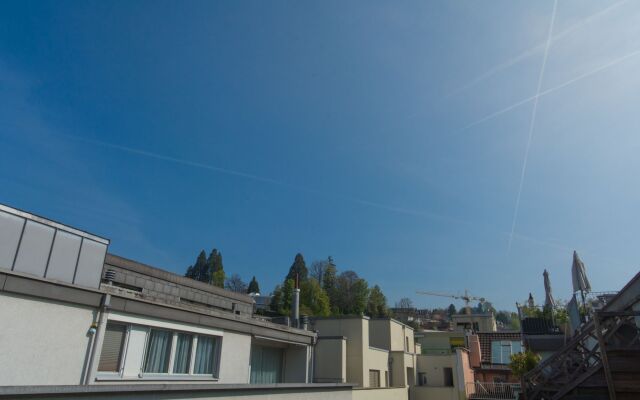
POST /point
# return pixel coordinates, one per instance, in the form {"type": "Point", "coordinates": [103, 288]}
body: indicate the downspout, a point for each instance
{"type": "Point", "coordinates": [98, 339]}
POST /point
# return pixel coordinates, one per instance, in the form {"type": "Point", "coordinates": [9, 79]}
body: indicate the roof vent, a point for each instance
{"type": "Point", "coordinates": [110, 275]}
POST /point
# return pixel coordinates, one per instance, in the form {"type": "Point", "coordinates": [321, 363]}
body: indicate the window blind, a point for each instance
{"type": "Point", "coordinates": [112, 348]}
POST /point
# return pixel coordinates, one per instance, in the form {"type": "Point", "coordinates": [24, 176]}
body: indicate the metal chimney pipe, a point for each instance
{"type": "Point", "coordinates": [295, 306]}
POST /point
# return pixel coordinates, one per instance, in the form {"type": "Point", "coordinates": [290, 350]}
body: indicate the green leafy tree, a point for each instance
{"type": "Point", "coordinates": [313, 299]}
{"type": "Point", "coordinates": [521, 363]}
{"type": "Point", "coordinates": [451, 310]}
{"type": "Point", "coordinates": [329, 279]}
{"type": "Point", "coordinates": [283, 297]}
{"type": "Point", "coordinates": [253, 286]}
{"type": "Point", "coordinates": [298, 267]}
{"type": "Point", "coordinates": [352, 293]}
{"type": "Point", "coordinates": [216, 269]}
{"type": "Point", "coordinates": [199, 270]}
{"type": "Point", "coordinates": [377, 303]}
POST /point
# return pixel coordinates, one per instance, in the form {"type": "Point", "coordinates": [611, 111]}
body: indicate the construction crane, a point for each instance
{"type": "Point", "coordinates": [465, 297]}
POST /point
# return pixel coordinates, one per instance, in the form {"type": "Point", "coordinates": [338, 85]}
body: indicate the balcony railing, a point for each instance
{"type": "Point", "coordinates": [490, 391]}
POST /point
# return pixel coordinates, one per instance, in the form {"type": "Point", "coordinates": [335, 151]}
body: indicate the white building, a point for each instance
{"type": "Point", "coordinates": [83, 322]}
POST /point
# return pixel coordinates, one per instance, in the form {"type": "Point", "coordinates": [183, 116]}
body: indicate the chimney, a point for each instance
{"type": "Point", "coordinates": [295, 306]}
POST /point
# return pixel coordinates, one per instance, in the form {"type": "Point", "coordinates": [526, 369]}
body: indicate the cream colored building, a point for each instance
{"type": "Point", "coordinates": [474, 322]}
{"type": "Point", "coordinates": [371, 353]}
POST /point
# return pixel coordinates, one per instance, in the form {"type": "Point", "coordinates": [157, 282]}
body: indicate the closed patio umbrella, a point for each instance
{"type": "Point", "coordinates": [579, 275]}
{"type": "Point", "coordinates": [548, 297]}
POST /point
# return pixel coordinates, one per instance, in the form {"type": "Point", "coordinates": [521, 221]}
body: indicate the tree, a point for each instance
{"type": "Point", "coordinates": [377, 303]}
{"type": "Point", "coordinates": [199, 270]}
{"type": "Point", "coordinates": [283, 297]}
{"type": "Point", "coordinates": [235, 284]}
{"type": "Point", "coordinates": [451, 310]}
{"type": "Point", "coordinates": [253, 286]}
{"type": "Point", "coordinates": [404, 302]}
{"type": "Point", "coordinates": [313, 299]}
{"type": "Point", "coordinates": [298, 268]}
{"type": "Point", "coordinates": [508, 319]}
{"type": "Point", "coordinates": [350, 294]}
{"type": "Point", "coordinates": [216, 269]}
{"type": "Point", "coordinates": [319, 267]}
{"type": "Point", "coordinates": [329, 280]}
{"type": "Point", "coordinates": [521, 363]}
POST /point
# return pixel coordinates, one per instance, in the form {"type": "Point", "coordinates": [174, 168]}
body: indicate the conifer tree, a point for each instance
{"type": "Point", "coordinates": [298, 267]}
{"type": "Point", "coordinates": [253, 286]}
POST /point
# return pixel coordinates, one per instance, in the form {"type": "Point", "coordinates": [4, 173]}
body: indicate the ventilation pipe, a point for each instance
{"type": "Point", "coordinates": [295, 307]}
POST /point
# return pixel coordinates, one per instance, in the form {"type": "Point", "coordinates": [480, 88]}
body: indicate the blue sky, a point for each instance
{"type": "Point", "coordinates": [389, 135]}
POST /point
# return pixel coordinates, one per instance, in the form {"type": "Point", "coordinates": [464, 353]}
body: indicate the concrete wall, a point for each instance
{"type": "Point", "coordinates": [437, 342]}
{"type": "Point", "coordinates": [434, 393]}
{"type": "Point", "coordinates": [330, 360]}
{"type": "Point", "coordinates": [375, 359]}
{"type": "Point", "coordinates": [42, 342]}
{"type": "Point", "coordinates": [464, 373]}
{"type": "Point", "coordinates": [433, 366]}
{"type": "Point", "coordinates": [295, 364]}
{"type": "Point", "coordinates": [390, 335]}
{"type": "Point", "coordinates": [356, 331]}
{"type": "Point", "coordinates": [182, 392]}
{"type": "Point", "coordinates": [381, 394]}
{"type": "Point", "coordinates": [235, 358]}
{"type": "Point", "coordinates": [380, 334]}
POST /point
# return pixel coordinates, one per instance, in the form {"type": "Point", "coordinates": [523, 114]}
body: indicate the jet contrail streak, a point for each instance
{"type": "Point", "coordinates": [532, 125]}
{"type": "Point", "coordinates": [245, 175]}
{"type": "Point", "coordinates": [533, 50]}
{"type": "Point", "coordinates": [594, 71]}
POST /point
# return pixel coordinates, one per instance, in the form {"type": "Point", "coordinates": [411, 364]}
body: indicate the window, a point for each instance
{"type": "Point", "coordinates": [448, 376]}
{"type": "Point", "coordinates": [111, 354]}
{"type": "Point", "coordinates": [158, 352]}
{"type": "Point", "coordinates": [406, 344]}
{"type": "Point", "coordinates": [266, 364]}
{"type": "Point", "coordinates": [422, 378]}
{"type": "Point", "coordinates": [501, 351]}
{"type": "Point", "coordinates": [387, 383]}
{"type": "Point", "coordinates": [131, 348]}
{"type": "Point", "coordinates": [374, 378]}
{"type": "Point", "coordinates": [182, 358]}
{"type": "Point", "coordinates": [205, 356]}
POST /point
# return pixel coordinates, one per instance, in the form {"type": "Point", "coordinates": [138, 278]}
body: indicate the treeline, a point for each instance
{"type": "Point", "coordinates": [211, 270]}
{"type": "Point", "coordinates": [325, 292]}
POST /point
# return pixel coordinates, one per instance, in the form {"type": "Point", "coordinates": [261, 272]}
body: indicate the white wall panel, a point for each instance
{"type": "Point", "coordinates": [10, 230]}
{"type": "Point", "coordinates": [62, 263]}
{"type": "Point", "coordinates": [34, 248]}
{"type": "Point", "coordinates": [90, 264]}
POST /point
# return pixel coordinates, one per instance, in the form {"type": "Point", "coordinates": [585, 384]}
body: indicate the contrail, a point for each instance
{"type": "Point", "coordinates": [594, 71]}
{"type": "Point", "coordinates": [258, 178]}
{"type": "Point", "coordinates": [533, 50]}
{"type": "Point", "coordinates": [532, 124]}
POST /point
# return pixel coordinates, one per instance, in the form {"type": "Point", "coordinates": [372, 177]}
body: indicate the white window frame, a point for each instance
{"type": "Point", "coordinates": [174, 328]}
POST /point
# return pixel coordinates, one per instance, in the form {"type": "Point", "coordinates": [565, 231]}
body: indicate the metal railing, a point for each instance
{"type": "Point", "coordinates": [490, 391]}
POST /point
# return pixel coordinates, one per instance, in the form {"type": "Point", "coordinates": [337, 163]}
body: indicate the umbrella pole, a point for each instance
{"type": "Point", "coordinates": [584, 305]}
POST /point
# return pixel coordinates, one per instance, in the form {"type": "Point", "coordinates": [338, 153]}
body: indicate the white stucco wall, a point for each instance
{"type": "Point", "coordinates": [42, 342]}
{"type": "Point", "coordinates": [235, 358]}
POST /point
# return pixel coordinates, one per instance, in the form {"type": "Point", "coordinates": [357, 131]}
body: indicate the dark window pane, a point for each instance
{"type": "Point", "coordinates": [158, 352]}
{"type": "Point", "coordinates": [206, 352]}
{"type": "Point", "coordinates": [183, 354]}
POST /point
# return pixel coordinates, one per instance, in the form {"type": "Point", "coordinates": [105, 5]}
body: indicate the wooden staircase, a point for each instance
{"type": "Point", "coordinates": [602, 360]}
